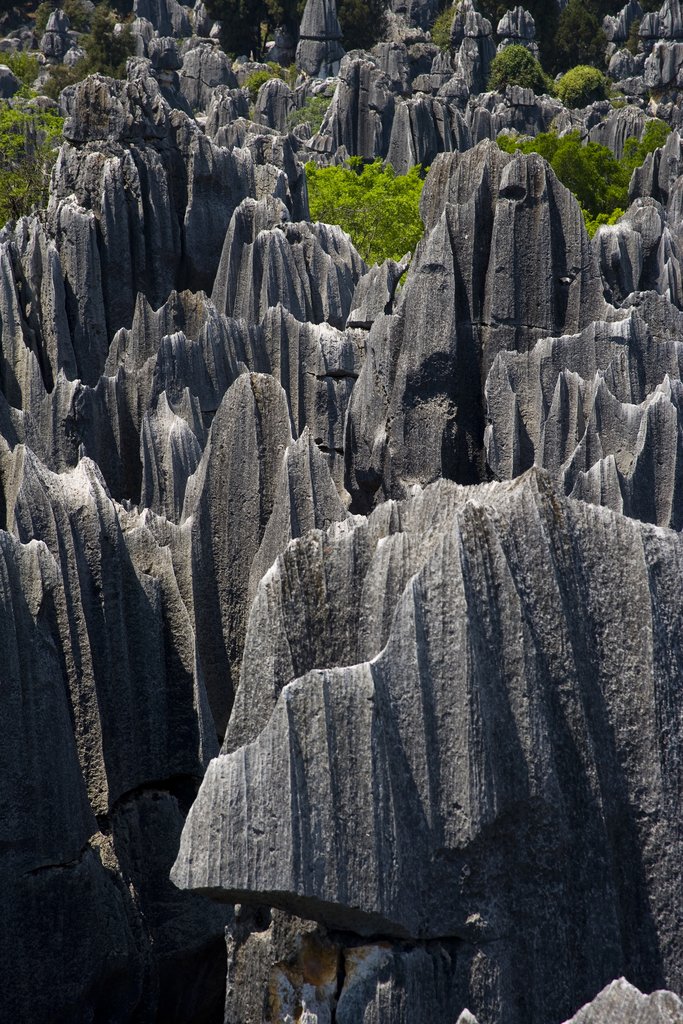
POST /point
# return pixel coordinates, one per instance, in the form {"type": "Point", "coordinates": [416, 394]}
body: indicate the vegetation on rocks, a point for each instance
{"type": "Point", "coordinates": [25, 66]}
{"type": "Point", "coordinates": [28, 148]}
{"type": "Point", "coordinates": [379, 210]}
{"type": "Point", "coordinates": [75, 10]}
{"type": "Point", "coordinates": [313, 112]}
{"type": "Point", "coordinates": [516, 66]}
{"type": "Point", "coordinates": [441, 29]}
{"type": "Point", "coordinates": [598, 180]}
{"type": "Point", "coordinates": [106, 53]}
{"type": "Point", "coordinates": [259, 78]}
{"type": "Point", "coordinates": [581, 86]}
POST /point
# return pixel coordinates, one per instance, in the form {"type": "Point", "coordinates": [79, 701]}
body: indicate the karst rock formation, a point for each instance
{"type": "Point", "coordinates": [341, 607]}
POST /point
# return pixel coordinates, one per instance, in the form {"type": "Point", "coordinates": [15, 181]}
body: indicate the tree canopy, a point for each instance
{"type": "Point", "coordinates": [516, 66]}
{"type": "Point", "coordinates": [379, 210]}
{"type": "Point", "coordinates": [28, 148]}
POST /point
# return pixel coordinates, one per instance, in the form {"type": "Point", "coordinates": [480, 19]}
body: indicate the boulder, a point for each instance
{"type": "Point", "coordinates": [273, 104]}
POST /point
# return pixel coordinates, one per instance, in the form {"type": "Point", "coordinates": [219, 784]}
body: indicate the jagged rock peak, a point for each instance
{"type": "Point", "coordinates": [319, 51]}
{"type": "Point", "coordinates": [517, 24]}
{"type": "Point", "coordinates": [618, 27]}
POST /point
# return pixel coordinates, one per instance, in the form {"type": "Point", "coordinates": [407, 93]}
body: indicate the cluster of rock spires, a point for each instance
{"type": "Point", "coordinates": [339, 621]}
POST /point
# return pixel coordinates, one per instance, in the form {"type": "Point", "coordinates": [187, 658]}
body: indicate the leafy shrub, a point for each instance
{"type": "Point", "coordinates": [593, 223]}
{"type": "Point", "coordinates": [259, 78]}
{"type": "Point", "coordinates": [633, 37]}
{"type": "Point", "coordinates": [313, 111]}
{"type": "Point", "coordinates": [379, 210]}
{"type": "Point", "coordinates": [441, 29]}
{"type": "Point", "coordinates": [106, 53]}
{"type": "Point", "coordinates": [24, 66]}
{"type": "Point", "coordinates": [654, 137]}
{"type": "Point", "coordinates": [516, 66]}
{"type": "Point", "coordinates": [363, 23]}
{"type": "Point", "coordinates": [42, 15]}
{"type": "Point", "coordinates": [598, 180]}
{"type": "Point", "coordinates": [28, 141]}
{"type": "Point", "coordinates": [581, 86]}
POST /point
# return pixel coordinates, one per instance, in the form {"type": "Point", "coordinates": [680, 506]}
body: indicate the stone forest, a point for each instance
{"type": "Point", "coordinates": [341, 498]}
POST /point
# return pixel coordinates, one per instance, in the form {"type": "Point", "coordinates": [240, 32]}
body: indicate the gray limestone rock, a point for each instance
{"type": "Point", "coordinates": [619, 125]}
{"type": "Point", "coordinates": [416, 412]}
{"type": "Point", "coordinates": [423, 127]}
{"type": "Point", "coordinates": [394, 62]}
{"type": "Point", "coordinates": [517, 24]}
{"type": "Point", "coordinates": [168, 17]}
{"type": "Point", "coordinates": [623, 1003]}
{"type": "Point", "coordinates": [164, 54]}
{"type": "Point", "coordinates": [273, 103]}
{"type": "Point", "coordinates": [622, 65]}
{"type": "Point", "coordinates": [41, 298]}
{"type": "Point", "coordinates": [204, 68]}
{"type": "Point", "coordinates": [319, 50]}
{"type": "Point", "coordinates": [600, 411]}
{"type": "Point", "coordinates": [620, 251]}
{"type": "Point", "coordinates": [374, 294]}
{"type": "Point", "coordinates": [227, 105]}
{"type": "Point", "coordinates": [361, 114]}
{"type": "Point", "coordinates": [522, 605]}
{"type": "Point", "coordinates": [230, 499]}
{"type": "Point", "coordinates": [56, 40]}
{"type": "Point", "coordinates": [617, 28]}
{"type": "Point", "coordinates": [311, 269]}
{"type": "Point", "coordinates": [9, 83]}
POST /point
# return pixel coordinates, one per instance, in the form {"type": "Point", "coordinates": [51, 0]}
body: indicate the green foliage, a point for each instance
{"type": "Point", "coordinates": [363, 23]}
{"type": "Point", "coordinates": [441, 29]}
{"type": "Point", "coordinates": [248, 24]}
{"type": "Point", "coordinates": [24, 66]}
{"type": "Point", "coordinates": [379, 210]}
{"type": "Point", "coordinates": [42, 15]}
{"type": "Point", "coordinates": [598, 180]}
{"type": "Point", "coordinates": [313, 112]}
{"type": "Point", "coordinates": [580, 38]}
{"type": "Point", "coordinates": [75, 10]}
{"type": "Point", "coordinates": [259, 78]}
{"type": "Point", "coordinates": [633, 37]}
{"type": "Point", "coordinates": [106, 53]}
{"type": "Point", "coordinates": [516, 66]}
{"type": "Point", "coordinates": [581, 86]}
{"type": "Point", "coordinates": [28, 141]}
{"type": "Point", "coordinates": [593, 223]}
{"type": "Point", "coordinates": [654, 137]}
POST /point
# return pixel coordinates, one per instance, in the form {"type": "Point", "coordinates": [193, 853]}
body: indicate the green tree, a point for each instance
{"type": "Point", "coordinates": [25, 67]}
{"type": "Point", "coordinates": [441, 29]}
{"type": "Point", "coordinates": [363, 22]}
{"type": "Point", "coordinates": [516, 66]}
{"type": "Point", "coordinates": [379, 210]}
{"type": "Point", "coordinates": [29, 139]}
{"type": "Point", "coordinates": [633, 37]}
{"type": "Point", "coordinates": [581, 86]}
{"type": "Point", "coordinates": [580, 38]}
{"type": "Point", "coordinates": [248, 24]}
{"type": "Point", "coordinates": [598, 180]}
